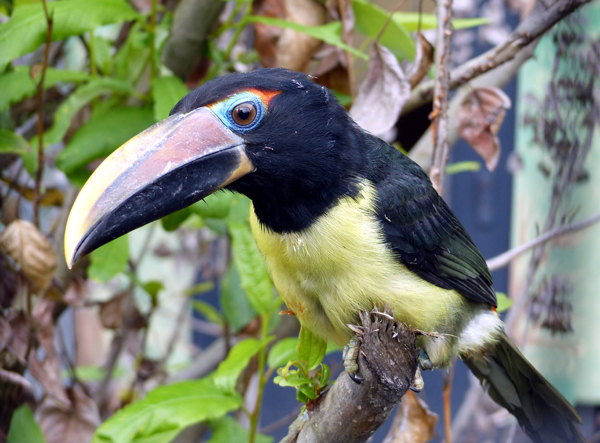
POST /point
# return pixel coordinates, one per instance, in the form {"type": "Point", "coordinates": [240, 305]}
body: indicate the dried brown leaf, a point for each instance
{"type": "Point", "coordinates": [19, 335]}
{"type": "Point", "coordinates": [382, 94]}
{"type": "Point", "coordinates": [111, 312]}
{"type": "Point", "coordinates": [71, 421]}
{"type": "Point", "coordinates": [9, 283]}
{"type": "Point", "coordinates": [287, 48]}
{"type": "Point", "coordinates": [14, 391]}
{"type": "Point", "coordinates": [479, 118]}
{"type": "Point", "coordinates": [423, 61]}
{"type": "Point", "coordinates": [28, 247]}
{"type": "Point", "coordinates": [413, 423]}
{"type": "Point", "coordinates": [295, 49]}
{"type": "Point", "coordinates": [265, 36]}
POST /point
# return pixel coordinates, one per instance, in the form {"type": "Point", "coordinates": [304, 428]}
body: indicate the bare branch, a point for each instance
{"type": "Point", "coordinates": [529, 30]}
{"type": "Point", "coordinates": [505, 258]}
{"type": "Point", "coordinates": [387, 366]}
{"type": "Point", "coordinates": [439, 125]}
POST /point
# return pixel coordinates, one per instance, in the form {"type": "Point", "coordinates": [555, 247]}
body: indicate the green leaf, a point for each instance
{"type": "Point", "coordinates": [101, 135]}
{"type": "Point", "coordinates": [166, 92]}
{"type": "Point", "coordinates": [282, 352]}
{"type": "Point", "coordinates": [26, 29]}
{"type": "Point", "coordinates": [12, 143]}
{"type": "Point", "coordinates": [230, 369]}
{"type": "Point", "coordinates": [77, 100]}
{"type": "Point", "coordinates": [132, 58]}
{"type": "Point", "coordinates": [165, 411]}
{"type": "Point", "coordinates": [330, 33]}
{"type": "Point", "coordinates": [311, 348]}
{"type": "Point", "coordinates": [172, 221]}
{"type": "Point", "coordinates": [214, 206]}
{"type": "Point", "coordinates": [18, 84]}
{"type": "Point", "coordinates": [308, 391]}
{"type": "Point", "coordinates": [370, 20]}
{"type": "Point", "coordinates": [455, 168]}
{"type": "Point", "coordinates": [23, 427]}
{"type": "Point", "coordinates": [325, 376]}
{"type": "Point", "coordinates": [208, 311]}
{"type": "Point", "coordinates": [152, 288]}
{"type": "Point", "coordinates": [410, 21]}
{"type": "Point", "coordinates": [228, 430]}
{"type": "Point", "coordinates": [15, 86]}
{"type": "Point", "coordinates": [103, 54]}
{"type": "Point", "coordinates": [234, 300]}
{"type": "Point", "coordinates": [253, 272]}
{"type": "Point", "coordinates": [109, 260]}
{"type": "Point", "coordinates": [199, 288]}
{"type": "Point", "coordinates": [503, 302]}
{"type": "Point", "coordinates": [293, 379]}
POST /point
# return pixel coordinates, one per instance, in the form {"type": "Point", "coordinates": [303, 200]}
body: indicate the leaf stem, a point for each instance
{"type": "Point", "coordinates": [262, 379]}
{"type": "Point", "coordinates": [152, 31]}
{"type": "Point", "coordinates": [40, 90]}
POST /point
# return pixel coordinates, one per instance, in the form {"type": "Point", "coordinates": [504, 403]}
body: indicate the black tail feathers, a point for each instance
{"type": "Point", "coordinates": [512, 382]}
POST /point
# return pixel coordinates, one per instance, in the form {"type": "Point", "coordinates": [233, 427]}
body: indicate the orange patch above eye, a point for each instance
{"type": "Point", "coordinates": [265, 96]}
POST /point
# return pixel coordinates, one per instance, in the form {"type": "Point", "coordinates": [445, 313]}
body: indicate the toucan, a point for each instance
{"type": "Point", "coordinates": [345, 222]}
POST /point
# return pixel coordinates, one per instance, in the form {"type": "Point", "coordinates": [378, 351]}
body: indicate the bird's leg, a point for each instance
{"type": "Point", "coordinates": [424, 361]}
{"type": "Point", "coordinates": [350, 356]}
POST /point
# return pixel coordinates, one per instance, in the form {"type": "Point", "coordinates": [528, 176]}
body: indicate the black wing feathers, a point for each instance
{"type": "Point", "coordinates": [421, 229]}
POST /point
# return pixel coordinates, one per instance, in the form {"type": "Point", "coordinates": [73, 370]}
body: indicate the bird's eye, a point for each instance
{"type": "Point", "coordinates": [244, 114]}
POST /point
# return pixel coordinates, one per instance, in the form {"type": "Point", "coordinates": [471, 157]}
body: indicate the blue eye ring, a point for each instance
{"type": "Point", "coordinates": [233, 110]}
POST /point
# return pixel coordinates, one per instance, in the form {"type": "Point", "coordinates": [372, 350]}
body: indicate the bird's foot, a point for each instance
{"type": "Point", "coordinates": [350, 356]}
{"type": "Point", "coordinates": [418, 384]}
{"type": "Point", "coordinates": [424, 361]}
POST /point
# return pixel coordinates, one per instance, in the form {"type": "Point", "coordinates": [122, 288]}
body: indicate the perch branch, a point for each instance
{"type": "Point", "coordinates": [529, 30]}
{"type": "Point", "coordinates": [349, 412]}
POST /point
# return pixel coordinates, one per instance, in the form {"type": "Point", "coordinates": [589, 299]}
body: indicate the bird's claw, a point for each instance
{"type": "Point", "coordinates": [424, 361]}
{"type": "Point", "coordinates": [418, 384]}
{"type": "Point", "coordinates": [350, 356]}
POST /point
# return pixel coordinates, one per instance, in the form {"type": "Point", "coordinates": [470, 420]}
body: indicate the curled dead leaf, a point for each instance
{"type": "Point", "coordinates": [73, 421]}
{"type": "Point", "coordinates": [15, 330]}
{"type": "Point", "coordinates": [422, 63]}
{"type": "Point", "coordinates": [382, 94]}
{"type": "Point", "coordinates": [413, 423]}
{"type": "Point", "coordinates": [479, 118]}
{"type": "Point", "coordinates": [287, 48]}
{"type": "Point", "coordinates": [31, 250]}
{"type": "Point", "coordinates": [14, 391]}
{"type": "Point", "coordinates": [112, 313]}
{"type": "Point", "coordinates": [10, 282]}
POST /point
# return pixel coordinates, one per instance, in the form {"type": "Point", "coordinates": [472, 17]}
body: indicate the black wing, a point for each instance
{"type": "Point", "coordinates": [423, 232]}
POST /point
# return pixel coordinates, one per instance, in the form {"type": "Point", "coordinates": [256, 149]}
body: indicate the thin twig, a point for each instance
{"type": "Point", "coordinates": [283, 421]}
{"type": "Point", "coordinates": [347, 36]}
{"type": "Point", "coordinates": [505, 258]}
{"type": "Point", "coordinates": [439, 125]}
{"type": "Point", "coordinates": [447, 392]}
{"type": "Point", "coordinates": [40, 92]}
{"type": "Point", "coordinates": [529, 30]}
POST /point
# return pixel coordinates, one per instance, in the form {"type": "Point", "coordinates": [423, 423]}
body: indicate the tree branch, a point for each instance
{"type": "Point", "coordinates": [505, 258]}
{"type": "Point", "coordinates": [439, 125]}
{"type": "Point", "coordinates": [387, 362]}
{"type": "Point", "coordinates": [529, 30]}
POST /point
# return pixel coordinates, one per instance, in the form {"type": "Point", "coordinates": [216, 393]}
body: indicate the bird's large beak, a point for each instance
{"type": "Point", "coordinates": [168, 167]}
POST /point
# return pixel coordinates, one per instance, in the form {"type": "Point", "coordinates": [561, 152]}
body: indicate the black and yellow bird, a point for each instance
{"type": "Point", "coordinates": [344, 221]}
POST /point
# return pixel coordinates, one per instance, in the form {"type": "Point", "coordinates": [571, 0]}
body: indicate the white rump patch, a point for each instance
{"type": "Point", "coordinates": [480, 331]}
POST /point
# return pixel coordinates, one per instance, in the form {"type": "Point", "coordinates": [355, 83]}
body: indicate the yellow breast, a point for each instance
{"type": "Point", "coordinates": [341, 265]}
